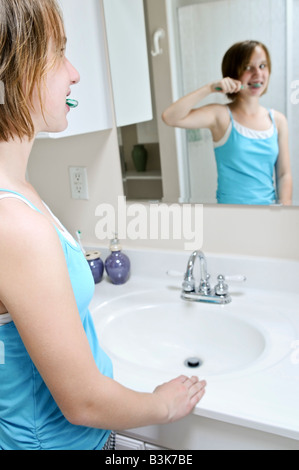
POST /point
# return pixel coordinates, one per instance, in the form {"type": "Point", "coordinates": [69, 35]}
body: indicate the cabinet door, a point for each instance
{"type": "Point", "coordinates": [127, 443]}
{"type": "Point", "coordinates": [85, 31]}
{"type": "Point", "coordinates": [128, 54]}
{"type": "Point", "coordinates": [153, 447]}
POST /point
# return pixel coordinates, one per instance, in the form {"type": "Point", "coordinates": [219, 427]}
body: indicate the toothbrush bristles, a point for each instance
{"type": "Point", "coordinates": [78, 233]}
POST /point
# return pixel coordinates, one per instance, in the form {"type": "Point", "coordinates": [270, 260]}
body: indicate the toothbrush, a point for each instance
{"type": "Point", "coordinates": [243, 87]}
{"type": "Point", "coordinates": [72, 103]}
{"type": "Point", "coordinates": [78, 233]}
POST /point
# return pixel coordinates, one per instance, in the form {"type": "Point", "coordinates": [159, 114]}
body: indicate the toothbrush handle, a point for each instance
{"type": "Point", "coordinates": [218, 88]}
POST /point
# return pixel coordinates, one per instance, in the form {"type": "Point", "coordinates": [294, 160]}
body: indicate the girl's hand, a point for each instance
{"type": "Point", "coordinates": [227, 85]}
{"type": "Point", "coordinates": [180, 396]}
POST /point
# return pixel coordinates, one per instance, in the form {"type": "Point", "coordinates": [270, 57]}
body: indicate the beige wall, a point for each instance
{"type": "Point", "coordinates": [48, 172]}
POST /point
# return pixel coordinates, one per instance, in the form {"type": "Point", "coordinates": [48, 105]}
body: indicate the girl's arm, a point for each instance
{"type": "Point", "coordinates": [182, 113]}
{"type": "Point", "coordinates": [35, 288]}
{"type": "Point", "coordinates": [283, 166]}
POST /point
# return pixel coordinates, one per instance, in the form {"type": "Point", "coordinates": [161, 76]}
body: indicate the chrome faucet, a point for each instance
{"type": "Point", "coordinates": [189, 281]}
{"type": "Point", "coordinates": [204, 293]}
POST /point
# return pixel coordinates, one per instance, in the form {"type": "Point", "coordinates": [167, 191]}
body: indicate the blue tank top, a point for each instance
{"type": "Point", "coordinates": [29, 417]}
{"type": "Point", "coordinates": [245, 168]}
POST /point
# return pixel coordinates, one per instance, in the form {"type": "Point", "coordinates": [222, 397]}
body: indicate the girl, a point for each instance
{"type": "Point", "coordinates": [250, 142]}
{"type": "Point", "coordinates": [56, 386]}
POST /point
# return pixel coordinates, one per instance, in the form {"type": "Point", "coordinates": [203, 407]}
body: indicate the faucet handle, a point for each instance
{"type": "Point", "coordinates": [173, 273]}
{"type": "Point", "coordinates": [188, 285]}
{"type": "Point", "coordinates": [235, 278]}
{"type": "Point", "coordinates": [221, 288]}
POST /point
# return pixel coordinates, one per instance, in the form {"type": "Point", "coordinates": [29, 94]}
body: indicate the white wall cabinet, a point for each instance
{"type": "Point", "coordinates": [86, 24]}
{"type": "Point", "coordinates": [86, 50]}
{"type": "Point", "coordinates": [128, 54]}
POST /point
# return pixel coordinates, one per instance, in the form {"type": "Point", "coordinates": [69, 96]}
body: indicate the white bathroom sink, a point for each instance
{"type": "Point", "coordinates": [247, 349]}
{"type": "Point", "coordinates": [155, 332]}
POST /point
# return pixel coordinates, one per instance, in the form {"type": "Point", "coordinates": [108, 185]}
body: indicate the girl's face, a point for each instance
{"type": "Point", "coordinates": [54, 94]}
{"type": "Point", "coordinates": [256, 72]}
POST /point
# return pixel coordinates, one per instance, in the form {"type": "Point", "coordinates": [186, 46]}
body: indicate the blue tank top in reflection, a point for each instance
{"type": "Point", "coordinates": [29, 416]}
{"type": "Point", "coordinates": [245, 167]}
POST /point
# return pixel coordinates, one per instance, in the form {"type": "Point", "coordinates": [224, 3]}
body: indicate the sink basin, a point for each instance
{"type": "Point", "coordinates": [245, 349]}
{"type": "Point", "coordinates": [164, 336]}
{"type": "Point", "coordinates": [157, 332]}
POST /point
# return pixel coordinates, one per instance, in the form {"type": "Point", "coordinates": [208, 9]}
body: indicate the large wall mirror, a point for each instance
{"type": "Point", "coordinates": [186, 43]}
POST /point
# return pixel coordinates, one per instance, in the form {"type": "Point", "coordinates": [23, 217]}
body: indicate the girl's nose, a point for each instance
{"type": "Point", "coordinates": [256, 70]}
{"type": "Point", "coordinates": [74, 74]}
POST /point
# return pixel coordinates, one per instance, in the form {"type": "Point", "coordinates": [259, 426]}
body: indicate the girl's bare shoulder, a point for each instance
{"type": "Point", "coordinates": [21, 226]}
{"type": "Point", "coordinates": [280, 121]}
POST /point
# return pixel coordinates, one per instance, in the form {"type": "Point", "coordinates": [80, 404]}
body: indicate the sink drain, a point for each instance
{"type": "Point", "coordinates": [193, 362]}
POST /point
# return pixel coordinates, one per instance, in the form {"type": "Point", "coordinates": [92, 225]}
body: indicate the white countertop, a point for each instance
{"type": "Point", "coordinates": [262, 398]}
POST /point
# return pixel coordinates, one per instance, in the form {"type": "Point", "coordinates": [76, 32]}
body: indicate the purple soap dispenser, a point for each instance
{"type": "Point", "coordinates": [117, 264]}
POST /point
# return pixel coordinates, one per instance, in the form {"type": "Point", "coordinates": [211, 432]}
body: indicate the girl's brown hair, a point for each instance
{"type": "Point", "coordinates": [26, 29]}
{"type": "Point", "coordinates": [238, 57]}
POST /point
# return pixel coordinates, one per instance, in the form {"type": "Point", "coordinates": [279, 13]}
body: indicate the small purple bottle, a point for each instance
{"type": "Point", "coordinates": [96, 265]}
{"type": "Point", "coordinates": [117, 264]}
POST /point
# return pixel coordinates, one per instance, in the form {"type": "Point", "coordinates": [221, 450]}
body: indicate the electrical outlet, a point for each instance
{"type": "Point", "coordinates": [79, 183]}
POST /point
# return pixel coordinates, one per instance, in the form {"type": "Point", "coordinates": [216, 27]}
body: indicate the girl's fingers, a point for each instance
{"type": "Point", "coordinates": [228, 85]}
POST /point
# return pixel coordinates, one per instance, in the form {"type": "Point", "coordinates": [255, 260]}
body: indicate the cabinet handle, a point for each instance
{"type": "Point", "coordinates": [158, 35]}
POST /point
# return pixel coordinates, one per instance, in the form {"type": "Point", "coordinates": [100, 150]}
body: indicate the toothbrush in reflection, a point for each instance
{"type": "Point", "coordinates": [72, 103]}
{"type": "Point", "coordinates": [243, 87]}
